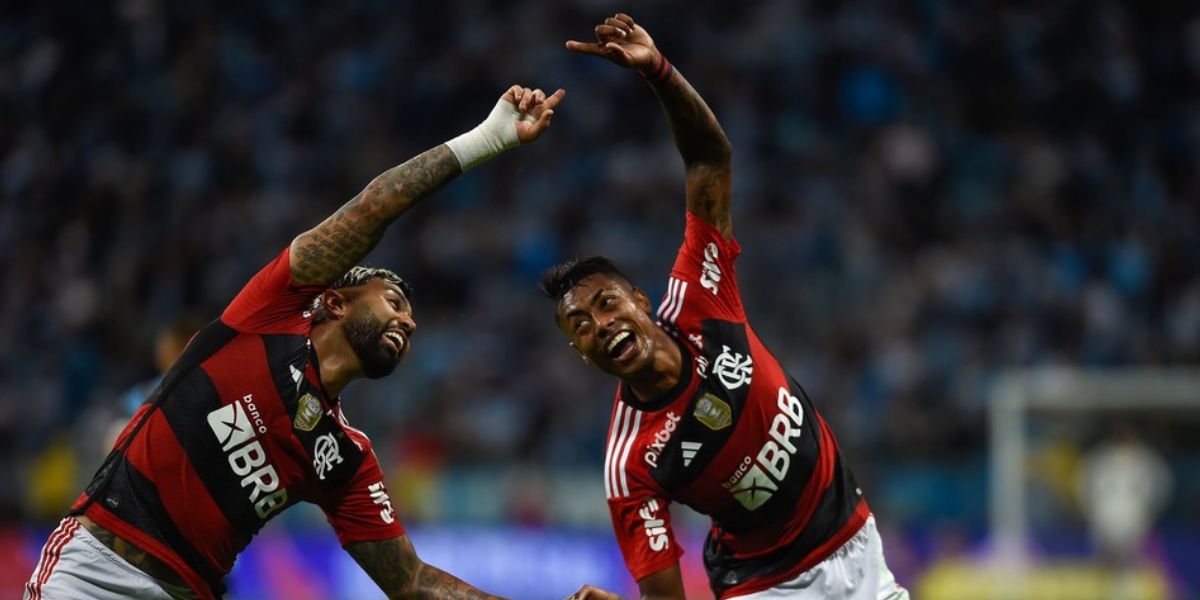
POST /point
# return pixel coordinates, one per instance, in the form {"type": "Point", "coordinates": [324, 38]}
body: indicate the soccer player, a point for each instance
{"type": "Point", "coordinates": [249, 421]}
{"type": "Point", "coordinates": [704, 414]}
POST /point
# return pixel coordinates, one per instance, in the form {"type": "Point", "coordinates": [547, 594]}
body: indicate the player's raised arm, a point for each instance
{"type": "Point", "coordinates": [698, 136]}
{"type": "Point", "coordinates": [394, 566]}
{"type": "Point", "coordinates": [323, 253]}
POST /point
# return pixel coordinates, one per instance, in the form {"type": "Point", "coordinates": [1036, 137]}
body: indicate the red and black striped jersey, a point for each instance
{"type": "Point", "coordinates": [239, 429]}
{"type": "Point", "coordinates": [737, 439]}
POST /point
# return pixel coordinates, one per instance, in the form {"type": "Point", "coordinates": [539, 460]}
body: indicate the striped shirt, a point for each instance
{"type": "Point", "coordinates": [737, 439]}
{"type": "Point", "coordinates": [239, 429]}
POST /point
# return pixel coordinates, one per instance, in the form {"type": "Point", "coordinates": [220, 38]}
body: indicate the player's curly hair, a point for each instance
{"type": "Point", "coordinates": [559, 279]}
{"type": "Point", "coordinates": [358, 276]}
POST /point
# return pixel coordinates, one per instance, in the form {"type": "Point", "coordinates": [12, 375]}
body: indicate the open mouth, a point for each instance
{"type": "Point", "coordinates": [395, 339]}
{"type": "Point", "coordinates": [622, 347]}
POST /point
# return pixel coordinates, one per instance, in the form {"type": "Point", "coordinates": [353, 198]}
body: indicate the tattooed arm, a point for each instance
{"type": "Point", "coordinates": [325, 252]}
{"type": "Point", "coordinates": [394, 566]}
{"type": "Point", "coordinates": [698, 136]}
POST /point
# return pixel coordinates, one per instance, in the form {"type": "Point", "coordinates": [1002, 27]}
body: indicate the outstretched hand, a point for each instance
{"type": "Point", "coordinates": [536, 110]}
{"type": "Point", "coordinates": [622, 41]}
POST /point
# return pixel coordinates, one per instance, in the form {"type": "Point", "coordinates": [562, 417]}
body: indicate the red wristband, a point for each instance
{"type": "Point", "coordinates": [660, 72]}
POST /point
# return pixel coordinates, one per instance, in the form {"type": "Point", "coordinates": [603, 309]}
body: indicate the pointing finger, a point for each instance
{"type": "Point", "coordinates": [586, 48]}
{"type": "Point", "coordinates": [553, 99]}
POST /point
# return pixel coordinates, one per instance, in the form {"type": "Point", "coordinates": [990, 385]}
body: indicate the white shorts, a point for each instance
{"type": "Point", "coordinates": [74, 565]}
{"type": "Point", "coordinates": [856, 571]}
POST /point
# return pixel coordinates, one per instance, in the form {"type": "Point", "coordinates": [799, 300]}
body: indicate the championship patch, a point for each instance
{"type": "Point", "coordinates": [713, 412]}
{"type": "Point", "coordinates": [308, 412]}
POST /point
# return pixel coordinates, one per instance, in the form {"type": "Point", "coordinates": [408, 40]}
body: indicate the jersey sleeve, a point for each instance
{"type": "Point", "coordinates": [642, 524]}
{"type": "Point", "coordinates": [271, 302]}
{"type": "Point", "coordinates": [703, 282]}
{"type": "Point", "coordinates": [363, 511]}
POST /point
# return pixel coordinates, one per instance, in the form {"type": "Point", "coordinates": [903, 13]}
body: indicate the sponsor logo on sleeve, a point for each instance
{"type": "Point", "coordinates": [713, 412]}
{"type": "Point", "coordinates": [379, 496]}
{"type": "Point", "coordinates": [655, 528]}
{"type": "Point", "coordinates": [236, 427]}
{"type": "Point", "coordinates": [326, 454]}
{"type": "Point", "coordinates": [308, 412]}
{"type": "Point", "coordinates": [733, 368]}
{"type": "Point", "coordinates": [710, 273]}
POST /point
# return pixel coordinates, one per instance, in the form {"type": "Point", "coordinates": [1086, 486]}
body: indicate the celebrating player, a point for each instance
{"type": "Point", "coordinates": [248, 421]}
{"type": "Point", "coordinates": [704, 414]}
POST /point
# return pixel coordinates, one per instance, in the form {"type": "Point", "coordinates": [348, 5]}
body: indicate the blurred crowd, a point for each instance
{"type": "Point", "coordinates": [926, 193]}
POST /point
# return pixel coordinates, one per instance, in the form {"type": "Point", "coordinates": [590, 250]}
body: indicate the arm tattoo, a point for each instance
{"type": "Point", "coordinates": [705, 150]}
{"type": "Point", "coordinates": [327, 251]}
{"type": "Point", "coordinates": [395, 567]}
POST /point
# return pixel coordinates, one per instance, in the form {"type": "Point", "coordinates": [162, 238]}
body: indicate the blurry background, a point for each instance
{"type": "Point", "coordinates": [928, 194]}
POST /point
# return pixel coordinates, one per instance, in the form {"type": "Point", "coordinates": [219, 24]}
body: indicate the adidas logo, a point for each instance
{"type": "Point", "coordinates": [297, 376]}
{"type": "Point", "coordinates": [689, 451]}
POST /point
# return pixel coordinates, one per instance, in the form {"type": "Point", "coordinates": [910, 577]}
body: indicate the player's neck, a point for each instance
{"type": "Point", "coordinates": [338, 363]}
{"type": "Point", "coordinates": [663, 371]}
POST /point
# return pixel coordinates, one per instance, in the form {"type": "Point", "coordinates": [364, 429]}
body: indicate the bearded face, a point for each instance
{"type": "Point", "coordinates": [377, 349]}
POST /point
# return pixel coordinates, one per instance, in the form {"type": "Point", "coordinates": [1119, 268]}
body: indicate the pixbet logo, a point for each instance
{"type": "Point", "coordinates": [235, 425]}
{"type": "Point", "coordinates": [656, 528]}
{"type": "Point", "coordinates": [756, 480]}
{"type": "Point", "coordinates": [660, 440]}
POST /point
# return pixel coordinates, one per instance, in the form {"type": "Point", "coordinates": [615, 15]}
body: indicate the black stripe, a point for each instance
{"type": "Point", "coordinates": [133, 498]}
{"type": "Point", "coordinates": [207, 341]}
{"type": "Point", "coordinates": [187, 414]}
{"type": "Point", "coordinates": [834, 510]}
{"type": "Point", "coordinates": [284, 350]}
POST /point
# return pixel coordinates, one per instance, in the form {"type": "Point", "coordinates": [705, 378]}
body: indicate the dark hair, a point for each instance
{"type": "Point", "coordinates": [358, 276]}
{"type": "Point", "coordinates": [559, 279]}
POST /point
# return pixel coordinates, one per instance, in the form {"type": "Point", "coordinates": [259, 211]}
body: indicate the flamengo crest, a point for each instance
{"type": "Point", "coordinates": [326, 454]}
{"type": "Point", "coordinates": [733, 369]}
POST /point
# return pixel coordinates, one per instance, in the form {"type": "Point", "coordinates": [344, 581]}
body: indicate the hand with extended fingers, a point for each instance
{"type": "Point", "coordinates": [622, 41]}
{"type": "Point", "coordinates": [536, 110]}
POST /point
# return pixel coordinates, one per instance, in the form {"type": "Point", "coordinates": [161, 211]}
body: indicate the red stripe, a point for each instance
{"type": "Point", "coordinates": [113, 523]}
{"type": "Point", "coordinates": [71, 528]}
{"type": "Point", "coordinates": [50, 554]}
{"type": "Point", "coordinates": [158, 454]}
{"type": "Point", "coordinates": [47, 553]}
{"type": "Point", "coordinates": [819, 554]}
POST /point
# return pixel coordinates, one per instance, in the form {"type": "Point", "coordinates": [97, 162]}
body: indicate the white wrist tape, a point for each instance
{"type": "Point", "coordinates": [497, 133]}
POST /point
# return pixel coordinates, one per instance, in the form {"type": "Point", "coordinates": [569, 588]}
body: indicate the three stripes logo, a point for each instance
{"type": "Point", "coordinates": [689, 451]}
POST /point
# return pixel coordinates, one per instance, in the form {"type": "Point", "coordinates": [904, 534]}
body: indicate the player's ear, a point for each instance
{"type": "Point", "coordinates": [641, 299]}
{"type": "Point", "coordinates": [334, 302]}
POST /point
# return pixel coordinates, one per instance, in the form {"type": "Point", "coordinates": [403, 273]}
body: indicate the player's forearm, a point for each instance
{"type": "Point", "coordinates": [434, 584]}
{"type": "Point", "coordinates": [396, 569]}
{"type": "Point", "coordinates": [324, 253]}
{"type": "Point", "coordinates": [697, 133]}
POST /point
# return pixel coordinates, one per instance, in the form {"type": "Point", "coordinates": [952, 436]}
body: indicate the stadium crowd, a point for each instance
{"type": "Point", "coordinates": [926, 193]}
